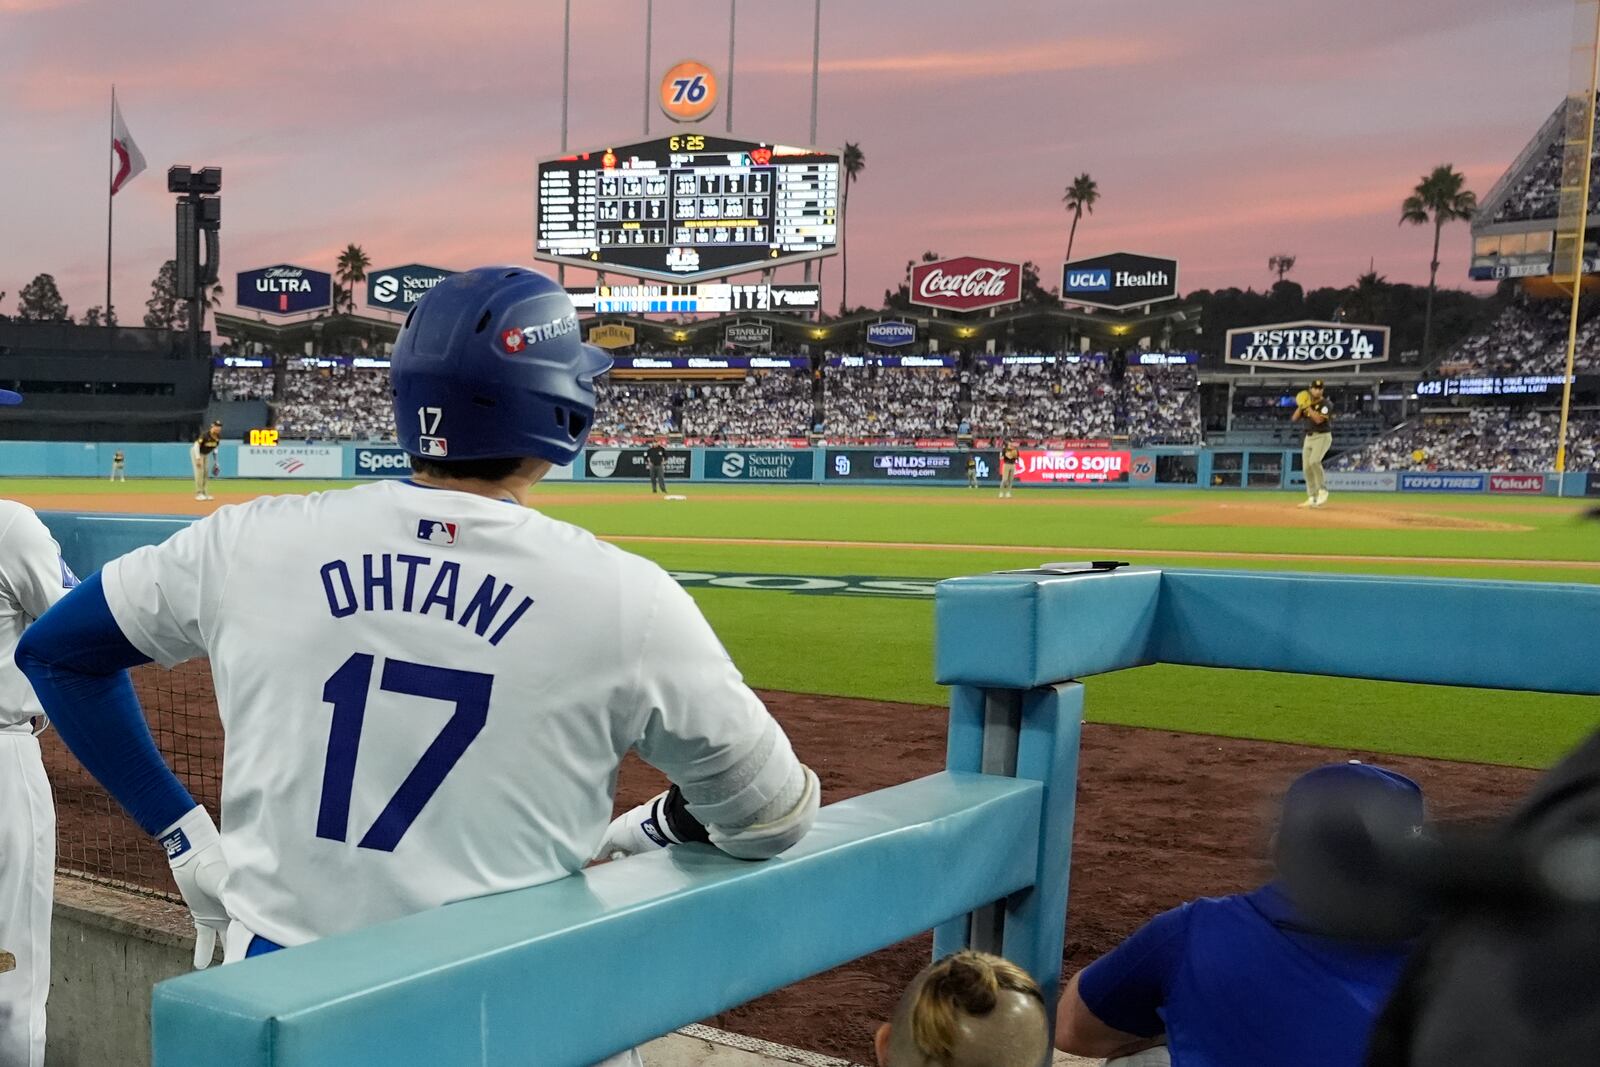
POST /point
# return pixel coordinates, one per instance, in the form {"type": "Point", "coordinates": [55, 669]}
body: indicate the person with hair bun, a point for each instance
{"type": "Point", "coordinates": [969, 1009]}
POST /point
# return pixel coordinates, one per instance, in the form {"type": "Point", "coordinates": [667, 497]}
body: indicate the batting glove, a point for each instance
{"type": "Point", "coordinates": [194, 849]}
{"type": "Point", "coordinates": [649, 827]}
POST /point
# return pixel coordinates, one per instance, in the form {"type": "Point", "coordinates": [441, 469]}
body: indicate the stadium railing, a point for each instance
{"type": "Point", "coordinates": [579, 969]}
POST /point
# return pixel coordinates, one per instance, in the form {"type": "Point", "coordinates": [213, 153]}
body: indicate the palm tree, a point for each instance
{"type": "Point", "coordinates": [1280, 264]}
{"type": "Point", "coordinates": [353, 264]}
{"type": "Point", "coordinates": [210, 298]}
{"type": "Point", "coordinates": [854, 162]}
{"type": "Point", "coordinates": [1366, 299]}
{"type": "Point", "coordinates": [1438, 198]}
{"type": "Point", "coordinates": [1080, 197]}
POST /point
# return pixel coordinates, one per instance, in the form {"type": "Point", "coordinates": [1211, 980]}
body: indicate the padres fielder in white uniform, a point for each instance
{"type": "Point", "coordinates": [32, 577]}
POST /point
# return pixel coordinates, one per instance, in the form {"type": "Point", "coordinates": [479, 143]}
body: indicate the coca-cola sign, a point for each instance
{"type": "Point", "coordinates": [966, 283]}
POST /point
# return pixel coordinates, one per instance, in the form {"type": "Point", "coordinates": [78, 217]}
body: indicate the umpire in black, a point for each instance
{"type": "Point", "coordinates": [655, 457]}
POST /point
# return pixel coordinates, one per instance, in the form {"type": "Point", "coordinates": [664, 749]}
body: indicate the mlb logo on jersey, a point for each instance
{"type": "Point", "coordinates": [436, 531]}
{"type": "Point", "coordinates": [434, 446]}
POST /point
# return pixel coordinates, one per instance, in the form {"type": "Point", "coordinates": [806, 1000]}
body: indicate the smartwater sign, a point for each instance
{"type": "Point", "coordinates": [1119, 280]}
{"type": "Point", "coordinates": [758, 466]}
{"type": "Point", "coordinates": [284, 289]}
{"type": "Point", "coordinates": [397, 288]}
{"type": "Point", "coordinates": [1307, 344]}
{"type": "Point", "coordinates": [890, 334]}
{"type": "Point", "coordinates": [1414, 482]}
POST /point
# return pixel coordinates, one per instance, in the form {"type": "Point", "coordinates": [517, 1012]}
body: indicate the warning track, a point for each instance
{"type": "Point", "coordinates": [1102, 551]}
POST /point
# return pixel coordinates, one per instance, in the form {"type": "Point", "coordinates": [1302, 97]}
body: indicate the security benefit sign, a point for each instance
{"type": "Point", "coordinates": [620, 464]}
{"type": "Point", "coordinates": [1038, 467]}
{"type": "Point", "coordinates": [891, 334]}
{"type": "Point", "coordinates": [284, 289]}
{"type": "Point", "coordinates": [397, 288]}
{"type": "Point", "coordinates": [1119, 280]}
{"type": "Point", "coordinates": [1307, 344]}
{"type": "Point", "coordinates": [744, 465]}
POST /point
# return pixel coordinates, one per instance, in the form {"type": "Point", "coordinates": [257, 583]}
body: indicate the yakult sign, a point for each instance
{"type": "Point", "coordinates": [966, 283]}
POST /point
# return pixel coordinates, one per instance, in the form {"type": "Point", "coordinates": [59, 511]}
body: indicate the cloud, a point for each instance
{"type": "Point", "coordinates": [1076, 53]}
{"type": "Point", "coordinates": [26, 7]}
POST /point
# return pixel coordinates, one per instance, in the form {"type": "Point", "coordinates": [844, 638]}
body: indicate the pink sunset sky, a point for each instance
{"type": "Point", "coordinates": [1220, 133]}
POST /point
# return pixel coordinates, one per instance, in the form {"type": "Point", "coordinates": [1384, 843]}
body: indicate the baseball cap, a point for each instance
{"type": "Point", "coordinates": [1317, 384]}
{"type": "Point", "coordinates": [7, 397]}
{"type": "Point", "coordinates": [1380, 794]}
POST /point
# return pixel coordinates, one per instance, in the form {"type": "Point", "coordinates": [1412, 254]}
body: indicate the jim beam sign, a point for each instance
{"type": "Point", "coordinates": [1307, 344]}
{"type": "Point", "coordinates": [748, 335]}
{"type": "Point", "coordinates": [966, 283]}
{"type": "Point", "coordinates": [611, 336]}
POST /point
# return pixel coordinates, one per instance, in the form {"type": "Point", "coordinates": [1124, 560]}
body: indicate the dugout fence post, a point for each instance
{"type": "Point", "coordinates": [1033, 735]}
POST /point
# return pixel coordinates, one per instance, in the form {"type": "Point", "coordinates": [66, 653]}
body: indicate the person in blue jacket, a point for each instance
{"type": "Point", "coordinates": [1246, 980]}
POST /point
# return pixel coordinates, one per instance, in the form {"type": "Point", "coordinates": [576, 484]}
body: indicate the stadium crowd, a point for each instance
{"type": "Point", "coordinates": [1041, 401]}
{"type": "Point", "coordinates": [1528, 337]}
{"type": "Point", "coordinates": [1027, 402]}
{"type": "Point", "coordinates": [1480, 438]}
{"type": "Point", "coordinates": [323, 404]}
{"type": "Point", "coordinates": [1537, 195]}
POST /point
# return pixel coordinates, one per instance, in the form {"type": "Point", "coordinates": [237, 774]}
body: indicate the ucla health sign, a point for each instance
{"type": "Point", "coordinates": [397, 288]}
{"type": "Point", "coordinates": [1307, 344]}
{"type": "Point", "coordinates": [283, 289]}
{"type": "Point", "coordinates": [1119, 280]}
{"type": "Point", "coordinates": [891, 334]}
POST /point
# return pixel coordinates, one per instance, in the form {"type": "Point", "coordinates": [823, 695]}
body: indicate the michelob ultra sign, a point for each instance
{"type": "Point", "coordinates": [1307, 344]}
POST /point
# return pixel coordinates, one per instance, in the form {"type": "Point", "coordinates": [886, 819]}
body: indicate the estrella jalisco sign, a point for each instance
{"type": "Point", "coordinates": [1306, 344]}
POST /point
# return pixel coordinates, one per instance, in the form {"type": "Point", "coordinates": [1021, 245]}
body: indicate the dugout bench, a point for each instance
{"type": "Point", "coordinates": [573, 971]}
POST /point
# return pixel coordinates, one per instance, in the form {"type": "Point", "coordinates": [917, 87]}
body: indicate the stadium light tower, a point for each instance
{"type": "Point", "coordinates": [199, 211]}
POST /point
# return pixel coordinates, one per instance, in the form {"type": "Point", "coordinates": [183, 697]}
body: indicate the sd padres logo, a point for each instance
{"type": "Point", "coordinates": [688, 91]}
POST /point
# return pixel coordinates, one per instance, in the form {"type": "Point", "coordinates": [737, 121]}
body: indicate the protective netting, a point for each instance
{"type": "Point", "coordinates": [93, 836]}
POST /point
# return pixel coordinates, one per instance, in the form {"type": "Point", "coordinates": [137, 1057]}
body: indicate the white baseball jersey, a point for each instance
{"type": "Point", "coordinates": [32, 577]}
{"type": "Point", "coordinates": [426, 694]}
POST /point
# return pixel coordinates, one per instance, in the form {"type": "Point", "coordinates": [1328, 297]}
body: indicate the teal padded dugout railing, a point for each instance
{"type": "Point", "coordinates": [573, 971]}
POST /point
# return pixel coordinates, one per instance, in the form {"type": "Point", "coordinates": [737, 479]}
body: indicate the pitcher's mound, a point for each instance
{"type": "Point", "coordinates": [1281, 512]}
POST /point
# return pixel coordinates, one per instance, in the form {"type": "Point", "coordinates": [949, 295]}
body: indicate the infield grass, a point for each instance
{"type": "Point", "coordinates": [881, 648]}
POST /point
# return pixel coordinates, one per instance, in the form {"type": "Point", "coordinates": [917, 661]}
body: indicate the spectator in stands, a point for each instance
{"type": "Point", "coordinates": [969, 1009]}
{"type": "Point", "coordinates": [1247, 979]}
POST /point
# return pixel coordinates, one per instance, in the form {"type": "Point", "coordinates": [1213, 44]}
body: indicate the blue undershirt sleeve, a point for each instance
{"type": "Point", "coordinates": [77, 657]}
{"type": "Point", "coordinates": [1126, 988]}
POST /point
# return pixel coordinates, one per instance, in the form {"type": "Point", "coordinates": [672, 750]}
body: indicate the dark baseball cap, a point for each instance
{"type": "Point", "coordinates": [1317, 384]}
{"type": "Point", "coordinates": [7, 397]}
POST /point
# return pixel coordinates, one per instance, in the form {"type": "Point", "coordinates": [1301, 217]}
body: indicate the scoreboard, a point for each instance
{"type": "Point", "coordinates": [688, 206]}
{"type": "Point", "coordinates": [706, 298]}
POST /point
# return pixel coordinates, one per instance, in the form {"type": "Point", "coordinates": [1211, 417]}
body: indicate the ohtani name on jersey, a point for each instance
{"type": "Point", "coordinates": [399, 581]}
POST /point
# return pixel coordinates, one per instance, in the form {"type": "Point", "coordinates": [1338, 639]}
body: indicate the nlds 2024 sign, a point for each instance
{"type": "Point", "coordinates": [1307, 344]}
{"type": "Point", "coordinates": [284, 289]}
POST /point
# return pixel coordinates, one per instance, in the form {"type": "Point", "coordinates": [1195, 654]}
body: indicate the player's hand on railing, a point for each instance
{"type": "Point", "coordinates": [645, 828]}
{"type": "Point", "coordinates": [194, 849]}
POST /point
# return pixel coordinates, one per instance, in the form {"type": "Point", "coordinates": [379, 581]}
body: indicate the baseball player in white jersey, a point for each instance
{"type": "Point", "coordinates": [32, 577]}
{"type": "Point", "coordinates": [460, 675]}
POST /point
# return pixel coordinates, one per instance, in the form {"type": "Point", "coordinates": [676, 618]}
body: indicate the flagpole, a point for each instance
{"type": "Point", "coordinates": [109, 140]}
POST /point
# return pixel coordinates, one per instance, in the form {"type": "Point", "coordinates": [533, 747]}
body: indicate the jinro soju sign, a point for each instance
{"type": "Point", "coordinates": [1303, 344]}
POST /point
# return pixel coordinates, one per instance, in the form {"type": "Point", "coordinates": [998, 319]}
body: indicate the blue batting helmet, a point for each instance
{"type": "Point", "coordinates": [490, 365]}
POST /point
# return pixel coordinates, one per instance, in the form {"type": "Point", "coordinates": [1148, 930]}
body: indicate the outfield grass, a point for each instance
{"type": "Point", "coordinates": [881, 648]}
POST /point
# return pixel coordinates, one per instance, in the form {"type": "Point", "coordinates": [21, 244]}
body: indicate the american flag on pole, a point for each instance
{"type": "Point", "coordinates": [130, 161]}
